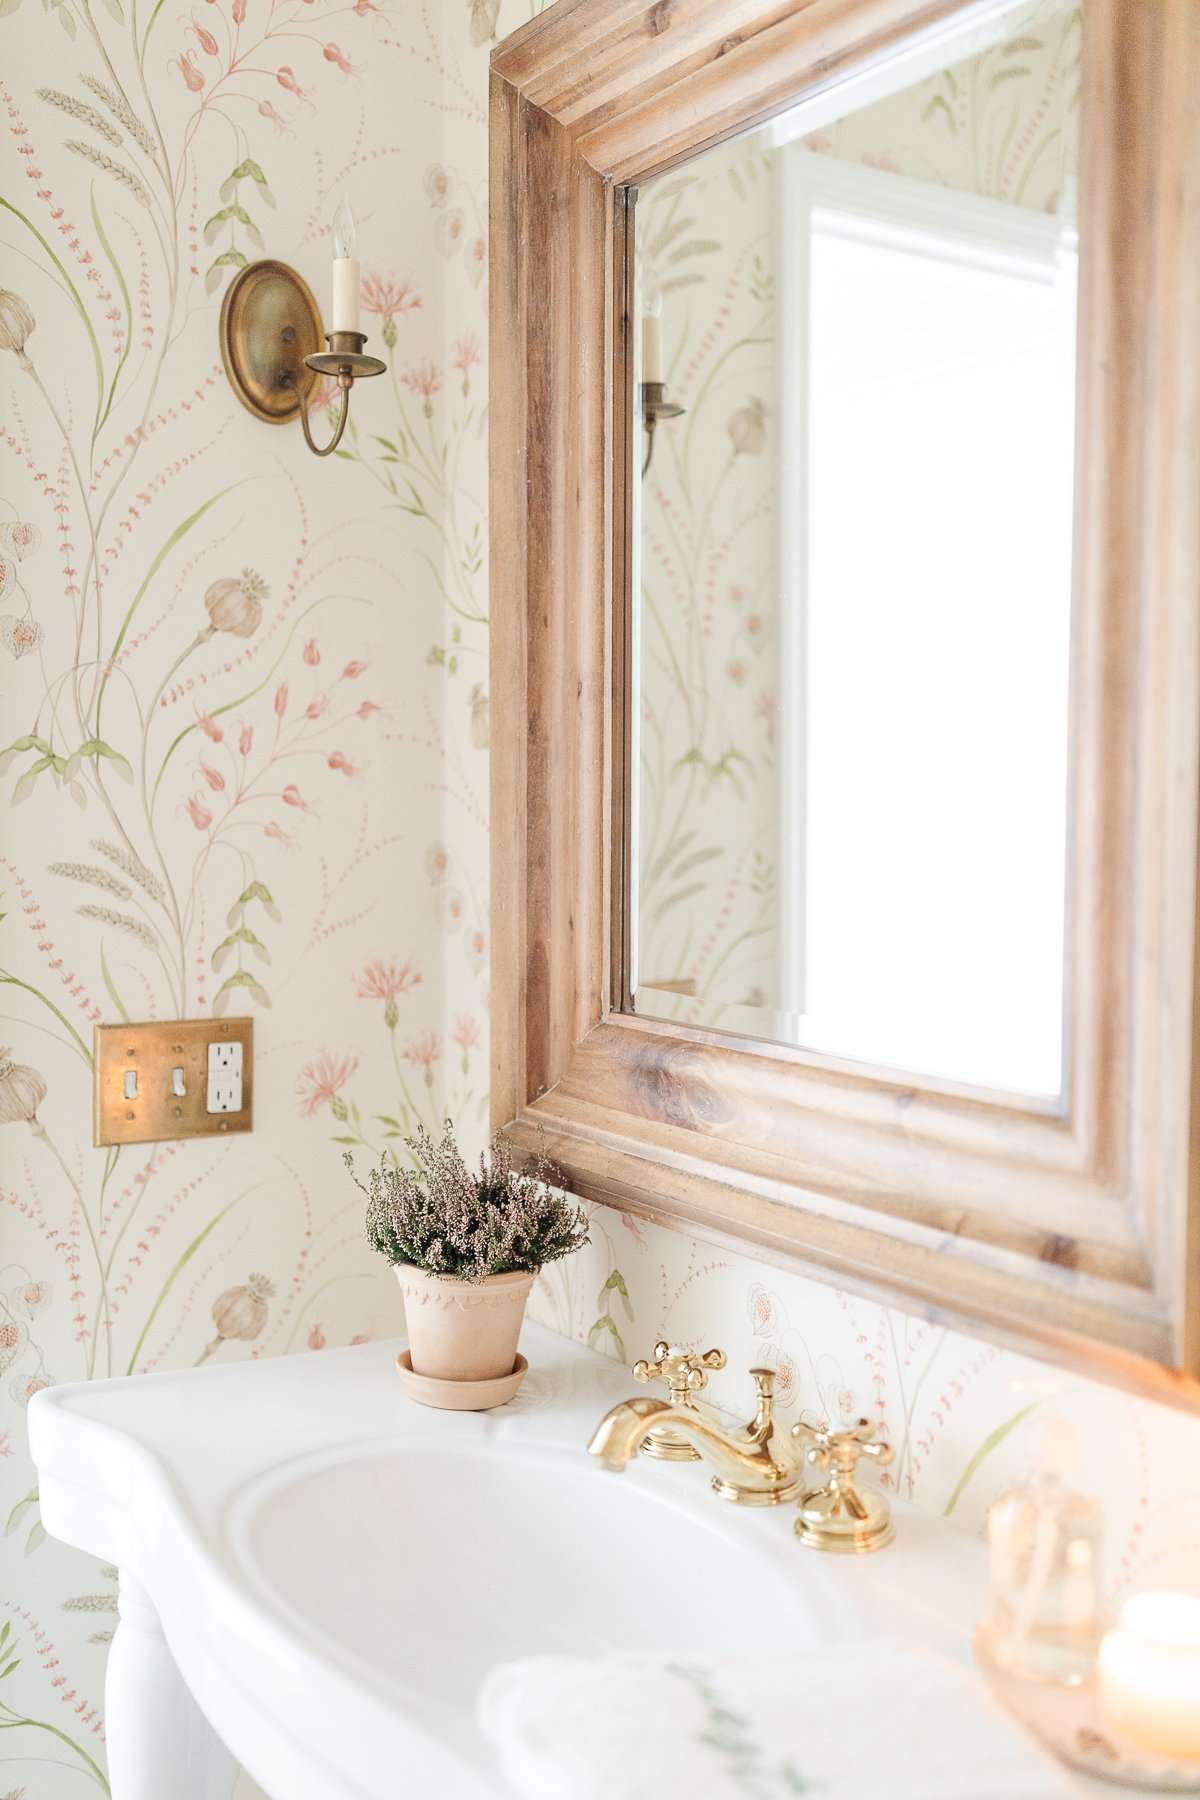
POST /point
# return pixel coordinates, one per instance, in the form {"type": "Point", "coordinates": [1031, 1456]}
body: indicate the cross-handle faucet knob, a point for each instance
{"type": "Point", "coordinates": [685, 1374]}
{"type": "Point", "coordinates": [684, 1371]}
{"type": "Point", "coordinates": [837, 1516]}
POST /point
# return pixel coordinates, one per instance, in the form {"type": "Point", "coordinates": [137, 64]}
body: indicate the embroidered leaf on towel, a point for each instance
{"type": "Point", "coordinates": [732, 1736]}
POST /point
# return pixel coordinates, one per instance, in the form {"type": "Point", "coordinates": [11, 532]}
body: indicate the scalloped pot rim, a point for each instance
{"type": "Point", "coordinates": [463, 1331]}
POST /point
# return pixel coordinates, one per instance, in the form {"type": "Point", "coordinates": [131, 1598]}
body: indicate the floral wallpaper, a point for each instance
{"type": "Point", "coordinates": [245, 707]}
{"type": "Point", "coordinates": [244, 763]}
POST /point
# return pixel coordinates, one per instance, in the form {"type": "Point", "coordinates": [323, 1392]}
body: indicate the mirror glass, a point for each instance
{"type": "Point", "coordinates": [854, 369]}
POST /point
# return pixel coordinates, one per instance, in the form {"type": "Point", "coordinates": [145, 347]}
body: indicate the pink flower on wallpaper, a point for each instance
{"type": "Point", "coordinates": [449, 906]}
{"type": "Point", "coordinates": [341, 763]}
{"type": "Point", "coordinates": [293, 797]}
{"type": "Point", "coordinates": [199, 814]}
{"type": "Point", "coordinates": [317, 706]}
{"type": "Point", "coordinates": [736, 672]}
{"type": "Point", "coordinates": [246, 739]}
{"type": "Point", "coordinates": [437, 185]}
{"type": "Point", "coordinates": [283, 126]}
{"type": "Point", "coordinates": [366, 708]}
{"type": "Point", "coordinates": [438, 862]}
{"type": "Point", "coordinates": [475, 947]}
{"type": "Point", "coordinates": [316, 1338]}
{"type": "Point", "coordinates": [423, 380]}
{"type": "Point", "coordinates": [203, 37]}
{"type": "Point", "coordinates": [475, 257]}
{"type": "Point", "coordinates": [31, 1298]}
{"type": "Point", "coordinates": [188, 70]}
{"type": "Point", "coordinates": [333, 55]}
{"type": "Point", "coordinates": [353, 670]}
{"type": "Point", "coordinates": [281, 699]}
{"type": "Point", "coordinates": [214, 777]}
{"type": "Point", "coordinates": [467, 352]}
{"type": "Point", "coordinates": [763, 1309]}
{"type": "Point", "coordinates": [210, 728]}
{"type": "Point", "coordinates": [765, 706]}
{"type": "Point", "coordinates": [382, 980]}
{"type": "Point", "coordinates": [466, 1032]}
{"type": "Point", "coordinates": [286, 78]}
{"type": "Point", "coordinates": [424, 1052]}
{"type": "Point", "coordinates": [24, 1387]}
{"type": "Point", "coordinates": [387, 295]}
{"type": "Point", "coordinates": [311, 653]}
{"type": "Point", "coordinates": [322, 1080]}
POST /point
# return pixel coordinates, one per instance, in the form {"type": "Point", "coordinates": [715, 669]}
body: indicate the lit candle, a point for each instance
{"type": "Point", "coordinates": [652, 348]}
{"type": "Point", "coordinates": [1149, 1674]}
{"type": "Point", "coordinates": [345, 270]}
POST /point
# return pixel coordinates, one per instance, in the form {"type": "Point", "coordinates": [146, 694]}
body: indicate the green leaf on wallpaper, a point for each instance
{"type": "Point", "coordinates": [179, 533]}
{"type": "Point", "coordinates": [117, 10]}
{"type": "Point", "coordinates": [67, 21]}
{"type": "Point", "coordinates": [249, 170]}
{"type": "Point", "coordinates": [96, 748]}
{"type": "Point", "coordinates": [108, 982]}
{"type": "Point", "coordinates": [25, 785]}
{"type": "Point", "coordinates": [36, 1538]}
{"type": "Point", "coordinates": [938, 105]}
{"type": "Point", "coordinates": [14, 1519]}
{"type": "Point", "coordinates": [182, 1264]}
{"type": "Point", "coordinates": [7, 7]}
{"type": "Point", "coordinates": [990, 1443]}
{"type": "Point", "coordinates": [1018, 74]}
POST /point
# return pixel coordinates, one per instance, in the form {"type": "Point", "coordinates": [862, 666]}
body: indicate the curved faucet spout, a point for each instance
{"type": "Point", "coordinates": [754, 1464]}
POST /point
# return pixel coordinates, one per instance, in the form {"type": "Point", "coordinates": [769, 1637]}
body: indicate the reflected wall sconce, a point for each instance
{"type": "Point", "coordinates": [271, 335]}
{"type": "Point", "coordinates": [655, 405]}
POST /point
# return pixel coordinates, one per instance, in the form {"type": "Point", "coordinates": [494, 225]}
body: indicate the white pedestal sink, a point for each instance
{"type": "Point", "coordinates": [316, 1573]}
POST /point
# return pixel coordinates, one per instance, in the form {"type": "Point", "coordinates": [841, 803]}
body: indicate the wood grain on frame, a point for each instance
{"type": "Point", "coordinates": [1069, 1231]}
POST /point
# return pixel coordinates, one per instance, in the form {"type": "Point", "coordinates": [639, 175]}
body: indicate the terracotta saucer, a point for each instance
{"type": "Point", "coordinates": [460, 1396]}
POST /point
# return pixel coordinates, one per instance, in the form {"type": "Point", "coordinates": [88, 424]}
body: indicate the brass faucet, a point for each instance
{"type": "Point", "coordinates": [754, 1463]}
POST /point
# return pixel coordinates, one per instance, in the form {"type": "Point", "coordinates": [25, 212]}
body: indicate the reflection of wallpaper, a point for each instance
{"type": "Point", "coordinates": [1001, 123]}
{"type": "Point", "coordinates": [710, 591]}
{"type": "Point", "coordinates": [271, 789]}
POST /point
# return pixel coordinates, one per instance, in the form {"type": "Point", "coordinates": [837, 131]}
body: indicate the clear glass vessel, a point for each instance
{"type": "Point", "coordinates": [1046, 1543]}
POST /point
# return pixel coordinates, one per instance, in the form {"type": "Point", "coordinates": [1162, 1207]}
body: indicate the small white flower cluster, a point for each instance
{"type": "Point", "coordinates": [448, 1220]}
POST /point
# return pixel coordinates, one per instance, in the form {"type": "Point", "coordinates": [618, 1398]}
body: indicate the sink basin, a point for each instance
{"type": "Point", "coordinates": [429, 1564]}
{"type": "Point", "coordinates": [317, 1574]}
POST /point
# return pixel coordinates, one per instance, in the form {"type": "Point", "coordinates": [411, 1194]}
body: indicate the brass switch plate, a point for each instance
{"type": "Point", "coordinates": [155, 1113]}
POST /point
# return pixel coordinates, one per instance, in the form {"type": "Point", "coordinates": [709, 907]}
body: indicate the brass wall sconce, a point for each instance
{"type": "Point", "coordinates": [270, 345]}
{"type": "Point", "coordinates": [656, 406]}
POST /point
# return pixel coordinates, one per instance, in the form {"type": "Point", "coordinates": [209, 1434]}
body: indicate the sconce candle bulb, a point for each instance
{"type": "Point", "coordinates": [344, 313]}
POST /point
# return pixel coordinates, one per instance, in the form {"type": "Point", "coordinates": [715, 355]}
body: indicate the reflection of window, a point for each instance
{"type": "Point", "coordinates": [929, 415]}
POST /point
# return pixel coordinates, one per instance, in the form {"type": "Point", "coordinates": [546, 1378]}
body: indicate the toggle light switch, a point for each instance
{"type": "Point", "coordinates": [131, 1084]}
{"type": "Point", "coordinates": [177, 1084]}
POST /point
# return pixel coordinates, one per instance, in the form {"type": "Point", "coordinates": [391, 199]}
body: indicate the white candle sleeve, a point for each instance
{"type": "Point", "coordinates": [345, 294]}
{"type": "Point", "coordinates": [652, 353]}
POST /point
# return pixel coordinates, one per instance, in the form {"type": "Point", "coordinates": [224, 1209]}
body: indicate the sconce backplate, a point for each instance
{"type": "Point", "coordinates": [269, 324]}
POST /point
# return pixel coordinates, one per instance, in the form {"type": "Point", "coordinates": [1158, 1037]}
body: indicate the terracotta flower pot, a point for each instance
{"type": "Point", "coordinates": [459, 1331]}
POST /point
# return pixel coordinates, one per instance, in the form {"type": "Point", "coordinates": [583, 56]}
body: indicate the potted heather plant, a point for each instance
{"type": "Point", "coordinates": [467, 1247]}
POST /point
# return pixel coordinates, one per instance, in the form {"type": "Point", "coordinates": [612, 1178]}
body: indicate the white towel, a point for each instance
{"type": "Point", "coordinates": [873, 1721]}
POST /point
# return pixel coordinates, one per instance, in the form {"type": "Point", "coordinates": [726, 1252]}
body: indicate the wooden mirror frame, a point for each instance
{"type": "Point", "coordinates": [1069, 1232]}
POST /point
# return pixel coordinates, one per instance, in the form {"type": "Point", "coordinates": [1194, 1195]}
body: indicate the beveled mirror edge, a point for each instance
{"type": "Point", "coordinates": [557, 948]}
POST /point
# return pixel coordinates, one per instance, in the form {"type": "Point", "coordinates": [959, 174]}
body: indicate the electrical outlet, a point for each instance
{"type": "Point", "coordinates": [225, 1077]}
{"type": "Point", "coordinates": [182, 1079]}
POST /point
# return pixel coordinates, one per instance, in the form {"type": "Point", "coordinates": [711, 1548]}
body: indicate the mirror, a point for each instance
{"type": "Point", "coordinates": [854, 420]}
